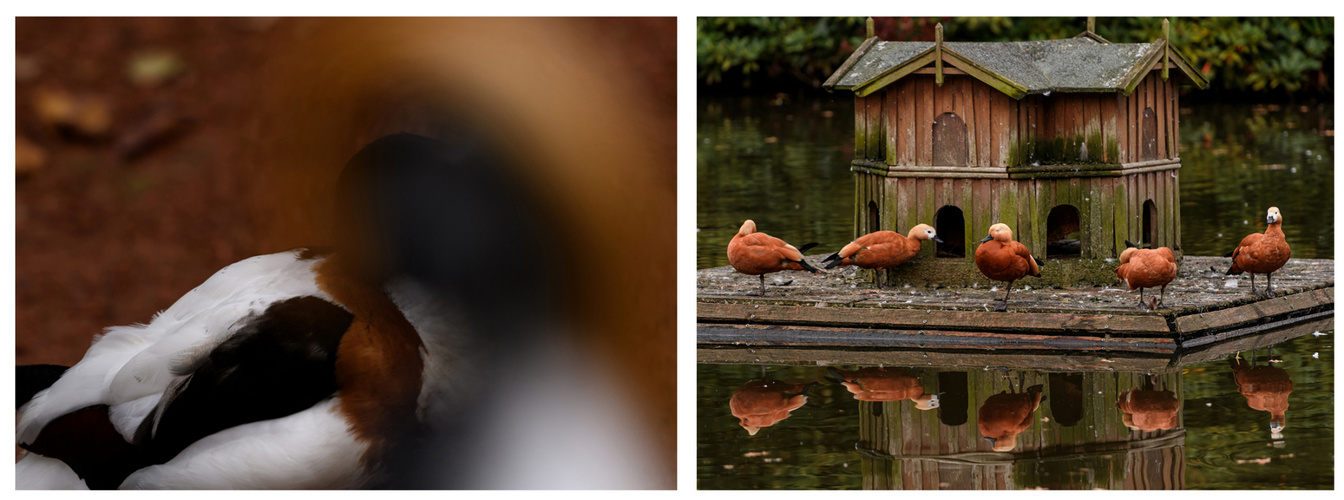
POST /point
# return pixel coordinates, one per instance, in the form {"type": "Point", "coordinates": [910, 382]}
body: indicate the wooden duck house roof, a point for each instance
{"type": "Point", "coordinates": [1083, 64]}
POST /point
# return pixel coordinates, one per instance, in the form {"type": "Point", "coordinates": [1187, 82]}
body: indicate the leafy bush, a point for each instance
{"type": "Point", "coordinates": [1272, 55]}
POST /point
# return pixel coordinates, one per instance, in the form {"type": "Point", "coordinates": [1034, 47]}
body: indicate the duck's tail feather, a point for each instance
{"type": "Point", "coordinates": [805, 248]}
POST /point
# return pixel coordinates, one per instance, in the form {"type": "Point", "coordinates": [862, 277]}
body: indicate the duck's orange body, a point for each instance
{"type": "Point", "coordinates": [1007, 414]}
{"type": "Point", "coordinates": [1147, 268]}
{"type": "Point", "coordinates": [1001, 259]}
{"type": "Point", "coordinates": [882, 249]}
{"type": "Point", "coordinates": [885, 384]}
{"type": "Point", "coordinates": [763, 403]}
{"type": "Point", "coordinates": [1262, 253]}
{"type": "Point", "coordinates": [1266, 388]}
{"type": "Point", "coordinates": [756, 254]}
{"type": "Point", "coordinates": [1149, 410]}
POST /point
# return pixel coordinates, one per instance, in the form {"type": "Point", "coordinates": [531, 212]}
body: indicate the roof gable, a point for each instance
{"type": "Point", "coordinates": [1081, 64]}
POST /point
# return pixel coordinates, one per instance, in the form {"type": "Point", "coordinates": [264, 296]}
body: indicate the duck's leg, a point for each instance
{"type": "Point", "coordinates": [1269, 285]}
{"type": "Point", "coordinates": [762, 285]}
{"type": "Point", "coordinates": [1004, 306]}
{"type": "Point", "coordinates": [1252, 283]}
{"type": "Point", "coordinates": [1140, 306]}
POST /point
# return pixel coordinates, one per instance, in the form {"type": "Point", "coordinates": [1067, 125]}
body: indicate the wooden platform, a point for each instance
{"type": "Point", "coordinates": [837, 310]}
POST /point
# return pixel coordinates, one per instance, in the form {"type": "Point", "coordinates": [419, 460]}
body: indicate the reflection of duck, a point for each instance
{"type": "Point", "coordinates": [756, 253]}
{"type": "Point", "coordinates": [1262, 253]}
{"type": "Point", "coordinates": [1149, 409]}
{"type": "Point", "coordinates": [885, 384]}
{"type": "Point", "coordinates": [1266, 388]}
{"type": "Point", "coordinates": [1003, 259]}
{"type": "Point", "coordinates": [1146, 268]}
{"type": "Point", "coordinates": [763, 403]}
{"type": "Point", "coordinates": [1005, 415]}
{"type": "Point", "coordinates": [882, 249]}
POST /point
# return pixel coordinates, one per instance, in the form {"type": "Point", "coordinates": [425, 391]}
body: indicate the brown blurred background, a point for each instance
{"type": "Point", "coordinates": [153, 152]}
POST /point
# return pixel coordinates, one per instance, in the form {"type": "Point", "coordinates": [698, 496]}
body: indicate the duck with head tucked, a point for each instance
{"type": "Point", "coordinates": [751, 252]}
{"type": "Point", "coordinates": [1001, 259]}
{"type": "Point", "coordinates": [1146, 268]}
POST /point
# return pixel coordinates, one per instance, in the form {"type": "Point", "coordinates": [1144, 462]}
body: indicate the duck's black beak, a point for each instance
{"type": "Point", "coordinates": [1130, 244]}
{"type": "Point", "coordinates": [986, 238]}
{"type": "Point", "coordinates": [937, 239]}
{"type": "Point", "coordinates": [991, 440]}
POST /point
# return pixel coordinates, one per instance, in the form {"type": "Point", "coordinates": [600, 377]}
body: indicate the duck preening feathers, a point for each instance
{"type": "Point", "coordinates": [1146, 268]}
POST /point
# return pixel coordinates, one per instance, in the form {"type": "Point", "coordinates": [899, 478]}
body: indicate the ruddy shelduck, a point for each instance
{"type": "Point", "coordinates": [1262, 253]}
{"type": "Point", "coordinates": [882, 249]}
{"type": "Point", "coordinates": [763, 403]}
{"type": "Point", "coordinates": [754, 253]}
{"type": "Point", "coordinates": [1007, 414]}
{"type": "Point", "coordinates": [1001, 259]}
{"type": "Point", "coordinates": [1146, 268]}
{"type": "Point", "coordinates": [1266, 388]}
{"type": "Point", "coordinates": [1149, 409]}
{"type": "Point", "coordinates": [885, 384]}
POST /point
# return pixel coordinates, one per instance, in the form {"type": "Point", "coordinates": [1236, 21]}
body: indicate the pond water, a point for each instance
{"type": "Point", "coordinates": [783, 161]}
{"type": "Point", "coordinates": [1204, 424]}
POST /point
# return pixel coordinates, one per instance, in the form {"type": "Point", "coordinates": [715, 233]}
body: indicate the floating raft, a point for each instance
{"type": "Point", "coordinates": [839, 310]}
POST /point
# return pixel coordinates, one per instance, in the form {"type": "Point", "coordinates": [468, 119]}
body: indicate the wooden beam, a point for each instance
{"type": "Point", "coordinates": [938, 54]}
{"type": "Point", "coordinates": [989, 77]}
{"type": "Point", "coordinates": [1166, 47]}
{"type": "Point", "coordinates": [946, 71]}
{"type": "Point", "coordinates": [895, 73]}
{"type": "Point", "coordinates": [849, 63]}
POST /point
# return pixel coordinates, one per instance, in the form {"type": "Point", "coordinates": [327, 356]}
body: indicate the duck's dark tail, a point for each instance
{"type": "Point", "coordinates": [806, 247]}
{"type": "Point", "coordinates": [32, 379]}
{"type": "Point", "coordinates": [833, 260]}
{"type": "Point", "coordinates": [803, 262]}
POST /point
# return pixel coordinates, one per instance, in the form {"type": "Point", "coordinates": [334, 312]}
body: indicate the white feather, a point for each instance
{"type": "Point", "coordinates": [36, 472]}
{"type": "Point", "coordinates": [310, 449]}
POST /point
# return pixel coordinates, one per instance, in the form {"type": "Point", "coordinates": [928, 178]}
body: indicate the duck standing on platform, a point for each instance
{"type": "Point", "coordinates": [885, 384]}
{"type": "Point", "coordinates": [1262, 253]}
{"type": "Point", "coordinates": [882, 249]}
{"type": "Point", "coordinates": [1146, 268]}
{"type": "Point", "coordinates": [757, 254]}
{"type": "Point", "coordinates": [1007, 414]}
{"type": "Point", "coordinates": [1001, 259]}
{"type": "Point", "coordinates": [1266, 388]}
{"type": "Point", "coordinates": [763, 403]}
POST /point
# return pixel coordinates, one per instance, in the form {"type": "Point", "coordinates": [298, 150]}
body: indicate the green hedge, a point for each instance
{"type": "Point", "coordinates": [1265, 55]}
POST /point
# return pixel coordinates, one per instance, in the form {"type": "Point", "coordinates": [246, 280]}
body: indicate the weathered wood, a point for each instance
{"type": "Point", "coordinates": [860, 127]}
{"type": "Point", "coordinates": [984, 125]}
{"type": "Point", "coordinates": [1194, 324]}
{"type": "Point", "coordinates": [905, 113]}
{"type": "Point", "coordinates": [905, 204]}
{"type": "Point", "coordinates": [1008, 203]}
{"type": "Point", "coordinates": [924, 120]}
{"type": "Point", "coordinates": [1159, 100]}
{"type": "Point", "coordinates": [891, 127]}
{"type": "Point", "coordinates": [868, 317]}
{"type": "Point", "coordinates": [876, 137]}
{"type": "Point", "coordinates": [949, 140]}
{"type": "Point", "coordinates": [1122, 128]}
{"type": "Point", "coordinates": [926, 211]}
{"type": "Point", "coordinates": [896, 73]}
{"type": "Point", "coordinates": [1000, 139]}
{"type": "Point", "coordinates": [1121, 215]}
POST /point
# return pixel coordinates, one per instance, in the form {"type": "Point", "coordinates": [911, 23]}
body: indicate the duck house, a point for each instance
{"type": "Point", "coordinates": [1073, 143]}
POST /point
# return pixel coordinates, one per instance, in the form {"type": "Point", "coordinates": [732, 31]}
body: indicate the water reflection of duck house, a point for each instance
{"type": "Point", "coordinates": [1072, 143]}
{"type": "Point", "coordinates": [1077, 439]}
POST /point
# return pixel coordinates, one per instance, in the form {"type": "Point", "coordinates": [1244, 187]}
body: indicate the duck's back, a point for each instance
{"type": "Point", "coordinates": [251, 347]}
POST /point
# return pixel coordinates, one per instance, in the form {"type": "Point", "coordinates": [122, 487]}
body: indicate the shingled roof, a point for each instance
{"type": "Point", "coordinates": [1081, 64]}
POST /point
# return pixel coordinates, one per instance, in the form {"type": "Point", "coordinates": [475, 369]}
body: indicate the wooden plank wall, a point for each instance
{"type": "Point", "coordinates": [1161, 95]}
{"type": "Point", "coordinates": [1161, 188]}
{"type": "Point", "coordinates": [913, 103]}
{"type": "Point", "coordinates": [1076, 117]}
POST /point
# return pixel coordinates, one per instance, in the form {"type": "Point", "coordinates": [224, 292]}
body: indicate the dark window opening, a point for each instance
{"type": "Point", "coordinates": [1066, 398]}
{"type": "Point", "coordinates": [951, 227]}
{"type": "Point", "coordinates": [954, 403]}
{"type": "Point", "coordinates": [949, 141]}
{"type": "Point", "coordinates": [1063, 235]}
{"type": "Point", "coordinates": [872, 217]}
{"type": "Point", "coordinates": [1149, 224]}
{"type": "Point", "coordinates": [1149, 135]}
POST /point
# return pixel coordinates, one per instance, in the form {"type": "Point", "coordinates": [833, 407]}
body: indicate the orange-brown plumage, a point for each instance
{"type": "Point", "coordinates": [1001, 259]}
{"type": "Point", "coordinates": [882, 249]}
{"type": "Point", "coordinates": [1149, 410]}
{"type": "Point", "coordinates": [885, 384]}
{"type": "Point", "coordinates": [1262, 253]}
{"type": "Point", "coordinates": [1266, 388]}
{"type": "Point", "coordinates": [763, 403]}
{"type": "Point", "coordinates": [1146, 268]}
{"type": "Point", "coordinates": [757, 254]}
{"type": "Point", "coordinates": [378, 363]}
{"type": "Point", "coordinates": [1007, 414]}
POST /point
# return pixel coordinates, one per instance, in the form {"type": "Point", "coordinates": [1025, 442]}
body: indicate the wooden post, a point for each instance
{"type": "Point", "coordinates": [1166, 47]}
{"type": "Point", "coordinates": [938, 54]}
{"type": "Point", "coordinates": [871, 30]}
{"type": "Point", "coordinates": [1091, 24]}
